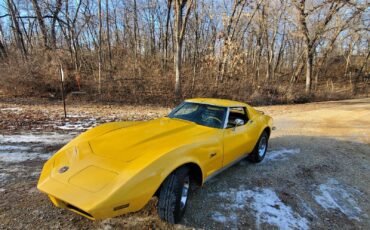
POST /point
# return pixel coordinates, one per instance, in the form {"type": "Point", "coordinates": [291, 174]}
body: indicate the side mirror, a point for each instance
{"type": "Point", "coordinates": [238, 122]}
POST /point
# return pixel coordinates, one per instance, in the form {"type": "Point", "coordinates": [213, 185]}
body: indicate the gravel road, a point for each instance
{"type": "Point", "coordinates": [316, 174]}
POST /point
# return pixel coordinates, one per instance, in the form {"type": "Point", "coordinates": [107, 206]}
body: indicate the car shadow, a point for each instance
{"type": "Point", "coordinates": [292, 175]}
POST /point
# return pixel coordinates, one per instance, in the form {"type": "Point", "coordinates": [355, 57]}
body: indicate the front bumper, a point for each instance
{"type": "Point", "coordinates": [69, 197]}
{"type": "Point", "coordinates": [80, 201]}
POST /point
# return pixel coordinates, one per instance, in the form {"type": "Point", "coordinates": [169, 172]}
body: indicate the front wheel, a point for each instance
{"type": "Point", "coordinates": [259, 151]}
{"type": "Point", "coordinates": [173, 196]}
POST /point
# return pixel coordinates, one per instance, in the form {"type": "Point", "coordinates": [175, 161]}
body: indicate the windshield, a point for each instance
{"type": "Point", "coordinates": [202, 114]}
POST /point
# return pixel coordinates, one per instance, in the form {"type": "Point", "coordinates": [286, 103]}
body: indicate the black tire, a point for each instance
{"type": "Point", "coordinates": [255, 156]}
{"type": "Point", "coordinates": [170, 208]}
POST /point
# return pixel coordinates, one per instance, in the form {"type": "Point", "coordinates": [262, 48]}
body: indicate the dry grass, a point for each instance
{"type": "Point", "coordinates": [151, 83]}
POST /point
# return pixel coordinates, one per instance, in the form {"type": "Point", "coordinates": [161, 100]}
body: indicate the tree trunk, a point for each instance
{"type": "Point", "coordinates": [136, 34]}
{"type": "Point", "coordinates": [230, 31]}
{"type": "Point", "coordinates": [16, 29]}
{"type": "Point", "coordinates": [58, 7]}
{"type": "Point", "coordinates": [309, 63]}
{"type": "Point", "coordinates": [308, 49]}
{"type": "Point", "coordinates": [41, 22]}
{"type": "Point", "coordinates": [280, 53]}
{"type": "Point", "coordinates": [177, 60]}
{"type": "Point", "coordinates": [108, 39]}
{"type": "Point", "coordinates": [3, 51]}
{"type": "Point", "coordinates": [169, 4]}
{"type": "Point", "coordinates": [196, 48]}
{"type": "Point", "coordinates": [178, 53]}
{"type": "Point", "coordinates": [180, 26]}
{"type": "Point", "coordinates": [100, 44]}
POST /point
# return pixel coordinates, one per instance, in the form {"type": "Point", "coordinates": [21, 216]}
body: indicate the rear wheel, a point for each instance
{"type": "Point", "coordinates": [259, 151]}
{"type": "Point", "coordinates": [173, 196]}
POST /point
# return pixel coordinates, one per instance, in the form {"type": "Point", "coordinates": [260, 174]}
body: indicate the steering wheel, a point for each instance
{"type": "Point", "coordinates": [213, 118]}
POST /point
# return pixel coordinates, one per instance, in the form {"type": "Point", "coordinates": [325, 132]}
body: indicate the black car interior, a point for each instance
{"type": "Point", "coordinates": [237, 113]}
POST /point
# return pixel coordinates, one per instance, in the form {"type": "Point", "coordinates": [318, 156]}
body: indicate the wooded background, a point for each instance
{"type": "Point", "coordinates": [160, 51]}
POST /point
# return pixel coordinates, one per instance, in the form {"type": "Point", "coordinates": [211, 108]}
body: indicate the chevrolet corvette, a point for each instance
{"type": "Point", "coordinates": [117, 167]}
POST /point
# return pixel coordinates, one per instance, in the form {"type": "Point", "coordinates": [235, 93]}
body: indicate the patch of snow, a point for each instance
{"type": "Point", "coordinates": [46, 138]}
{"type": "Point", "coordinates": [73, 126]}
{"type": "Point", "coordinates": [307, 210]}
{"type": "Point", "coordinates": [2, 189]}
{"type": "Point", "coordinates": [16, 109]}
{"type": "Point", "coordinates": [3, 176]}
{"type": "Point", "coordinates": [281, 154]}
{"type": "Point", "coordinates": [14, 169]}
{"type": "Point", "coordinates": [38, 149]}
{"type": "Point", "coordinates": [219, 217]}
{"type": "Point", "coordinates": [21, 156]}
{"type": "Point", "coordinates": [13, 148]}
{"type": "Point", "coordinates": [333, 195]}
{"type": "Point", "coordinates": [28, 146]}
{"type": "Point", "coordinates": [78, 125]}
{"type": "Point", "coordinates": [78, 115]}
{"type": "Point", "coordinates": [266, 205]}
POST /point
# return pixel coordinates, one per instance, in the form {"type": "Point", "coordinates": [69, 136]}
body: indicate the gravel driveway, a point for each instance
{"type": "Point", "coordinates": [316, 174]}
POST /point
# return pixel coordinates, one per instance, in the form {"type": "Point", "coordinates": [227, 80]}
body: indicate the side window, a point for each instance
{"type": "Point", "coordinates": [237, 113]}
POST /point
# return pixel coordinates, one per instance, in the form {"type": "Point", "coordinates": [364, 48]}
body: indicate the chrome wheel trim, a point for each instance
{"type": "Point", "coordinates": [184, 192]}
{"type": "Point", "coordinates": [262, 146]}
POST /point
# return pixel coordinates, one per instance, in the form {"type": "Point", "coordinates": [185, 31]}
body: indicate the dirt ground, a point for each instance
{"type": "Point", "coordinates": [316, 174]}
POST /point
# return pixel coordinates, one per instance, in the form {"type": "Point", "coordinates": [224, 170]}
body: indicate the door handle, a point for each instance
{"type": "Point", "coordinates": [212, 155]}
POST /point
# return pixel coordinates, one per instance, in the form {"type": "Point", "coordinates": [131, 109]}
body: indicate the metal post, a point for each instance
{"type": "Point", "coordinates": [62, 88]}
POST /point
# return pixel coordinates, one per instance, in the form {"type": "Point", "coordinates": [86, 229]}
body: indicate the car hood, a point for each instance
{"type": "Point", "coordinates": [96, 158]}
{"type": "Point", "coordinates": [151, 137]}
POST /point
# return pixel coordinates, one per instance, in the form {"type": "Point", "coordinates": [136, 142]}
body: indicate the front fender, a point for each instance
{"type": "Point", "coordinates": [142, 185]}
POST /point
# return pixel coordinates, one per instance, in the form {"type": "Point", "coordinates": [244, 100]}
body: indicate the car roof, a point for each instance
{"type": "Point", "coordinates": [218, 102]}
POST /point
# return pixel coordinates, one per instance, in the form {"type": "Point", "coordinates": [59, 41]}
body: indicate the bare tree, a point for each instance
{"type": "Point", "coordinates": [169, 6]}
{"type": "Point", "coordinates": [55, 13]}
{"type": "Point", "coordinates": [258, 48]}
{"type": "Point", "coordinates": [231, 26]}
{"type": "Point", "coordinates": [108, 38]}
{"type": "Point", "coordinates": [180, 25]}
{"type": "Point", "coordinates": [100, 47]}
{"type": "Point", "coordinates": [310, 38]}
{"type": "Point", "coordinates": [3, 52]}
{"type": "Point", "coordinates": [40, 19]}
{"type": "Point", "coordinates": [16, 29]}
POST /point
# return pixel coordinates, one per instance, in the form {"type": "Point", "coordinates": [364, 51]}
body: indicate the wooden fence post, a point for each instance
{"type": "Point", "coordinates": [62, 88]}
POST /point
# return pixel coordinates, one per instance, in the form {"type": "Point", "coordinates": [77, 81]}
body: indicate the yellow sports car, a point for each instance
{"type": "Point", "coordinates": [118, 167]}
